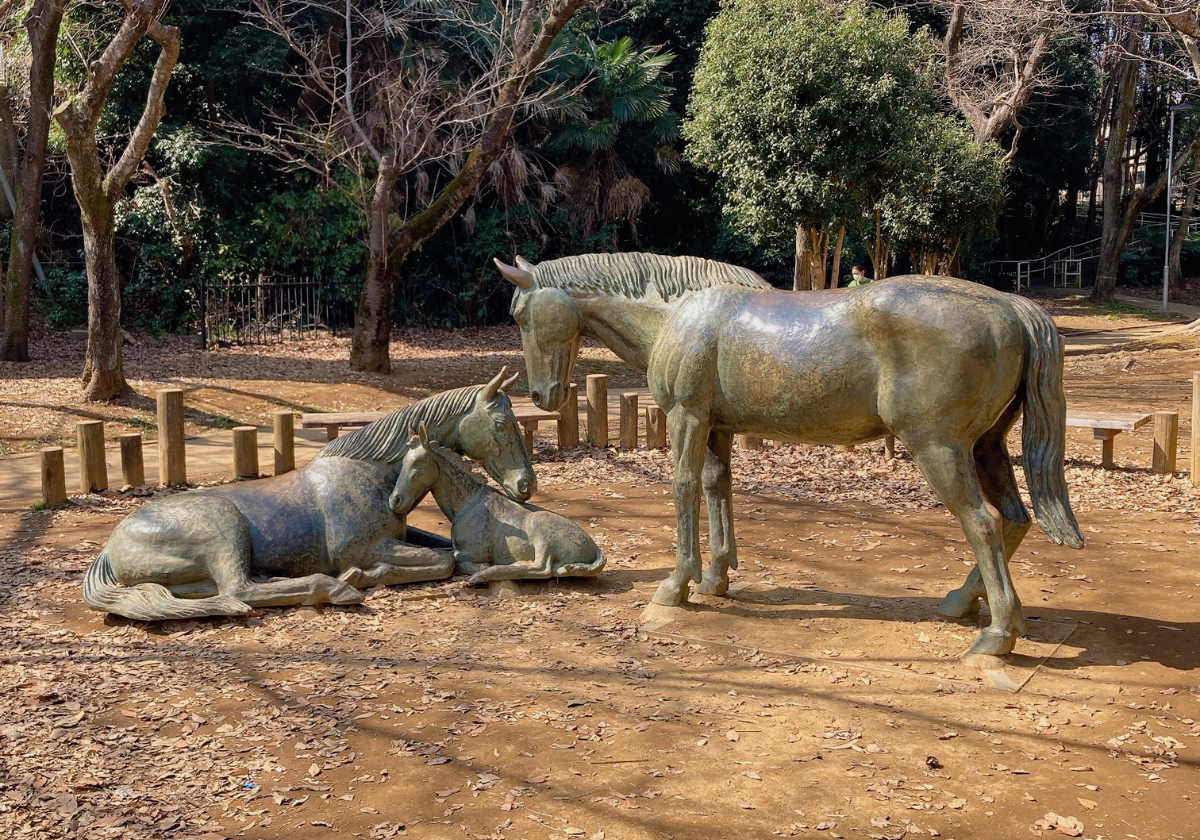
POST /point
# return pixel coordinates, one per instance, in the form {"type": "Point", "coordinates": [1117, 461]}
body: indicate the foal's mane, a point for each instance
{"type": "Point", "coordinates": [631, 275]}
{"type": "Point", "coordinates": [387, 438]}
{"type": "Point", "coordinates": [457, 471]}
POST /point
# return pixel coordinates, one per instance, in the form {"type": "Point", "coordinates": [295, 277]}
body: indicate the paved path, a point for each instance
{"type": "Point", "coordinates": [1080, 342]}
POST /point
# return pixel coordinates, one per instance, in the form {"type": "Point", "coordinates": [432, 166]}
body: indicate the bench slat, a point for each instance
{"type": "Point", "coordinates": [1107, 420]}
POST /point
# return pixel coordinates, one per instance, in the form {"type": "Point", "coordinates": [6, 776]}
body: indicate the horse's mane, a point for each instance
{"type": "Point", "coordinates": [630, 275]}
{"type": "Point", "coordinates": [387, 438]}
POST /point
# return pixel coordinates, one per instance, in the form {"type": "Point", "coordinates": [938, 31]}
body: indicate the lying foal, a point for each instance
{"type": "Point", "coordinates": [494, 537]}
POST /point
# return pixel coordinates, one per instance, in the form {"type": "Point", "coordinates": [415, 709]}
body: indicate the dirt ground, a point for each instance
{"type": "Point", "coordinates": [822, 698]}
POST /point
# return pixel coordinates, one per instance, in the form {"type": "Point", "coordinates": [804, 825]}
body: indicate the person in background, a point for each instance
{"type": "Point", "coordinates": [858, 277]}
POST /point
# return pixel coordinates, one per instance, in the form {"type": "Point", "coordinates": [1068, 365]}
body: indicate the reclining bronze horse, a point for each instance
{"type": "Point", "coordinates": [322, 532]}
{"type": "Point", "coordinates": [945, 365]}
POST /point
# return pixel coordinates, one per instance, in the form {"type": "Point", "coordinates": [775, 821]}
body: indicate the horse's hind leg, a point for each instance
{"type": "Point", "coordinates": [717, 480]}
{"type": "Point", "coordinates": [994, 469]}
{"type": "Point", "coordinates": [950, 469]}
{"type": "Point", "coordinates": [229, 566]}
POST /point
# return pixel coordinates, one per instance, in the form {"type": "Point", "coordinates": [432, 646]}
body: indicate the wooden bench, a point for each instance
{"type": "Point", "coordinates": [529, 416]}
{"type": "Point", "coordinates": [1105, 425]}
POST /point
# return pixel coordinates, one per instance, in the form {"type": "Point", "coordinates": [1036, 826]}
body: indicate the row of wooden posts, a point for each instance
{"type": "Point", "coordinates": [172, 463]}
{"type": "Point", "coordinates": [629, 418]}
{"type": "Point", "coordinates": [172, 457]}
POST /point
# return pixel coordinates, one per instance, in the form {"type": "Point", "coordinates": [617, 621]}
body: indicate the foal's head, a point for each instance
{"type": "Point", "coordinates": [419, 471]}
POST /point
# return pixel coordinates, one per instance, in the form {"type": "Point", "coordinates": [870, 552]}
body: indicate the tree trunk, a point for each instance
{"type": "Point", "coordinates": [1175, 252]}
{"type": "Point", "coordinates": [1114, 232]}
{"type": "Point", "coordinates": [373, 319]}
{"type": "Point", "coordinates": [800, 278]}
{"type": "Point", "coordinates": [834, 273]}
{"type": "Point", "coordinates": [809, 269]}
{"type": "Point", "coordinates": [103, 367]}
{"type": "Point", "coordinates": [43, 23]}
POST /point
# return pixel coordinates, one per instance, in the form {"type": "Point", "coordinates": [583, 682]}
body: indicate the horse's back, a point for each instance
{"type": "Point", "coordinates": [840, 366]}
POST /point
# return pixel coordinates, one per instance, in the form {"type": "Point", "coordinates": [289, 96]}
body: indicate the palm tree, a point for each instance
{"type": "Point", "coordinates": [625, 87]}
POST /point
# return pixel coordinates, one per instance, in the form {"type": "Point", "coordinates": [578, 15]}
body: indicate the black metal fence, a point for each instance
{"type": "Point", "coordinates": [267, 310]}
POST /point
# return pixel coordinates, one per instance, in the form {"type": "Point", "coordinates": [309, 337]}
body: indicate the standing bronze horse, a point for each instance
{"type": "Point", "coordinates": [322, 532]}
{"type": "Point", "coordinates": [945, 365]}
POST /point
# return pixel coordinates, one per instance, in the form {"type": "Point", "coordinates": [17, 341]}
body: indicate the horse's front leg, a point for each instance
{"type": "Point", "coordinates": [718, 498]}
{"type": "Point", "coordinates": [389, 562]}
{"type": "Point", "coordinates": [689, 436]}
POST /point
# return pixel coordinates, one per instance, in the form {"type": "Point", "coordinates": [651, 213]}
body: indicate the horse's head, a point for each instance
{"type": "Point", "coordinates": [418, 472]}
{"type": "Point", "coordinates": [489, 434]}
{"type": "Point", "coordinates": [551, 324]}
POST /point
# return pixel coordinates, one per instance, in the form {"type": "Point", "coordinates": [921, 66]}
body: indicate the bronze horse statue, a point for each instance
{"type": "Point", "coordinates": [945, 365]}
{"type": "Point", "coordinates": [320, 533]}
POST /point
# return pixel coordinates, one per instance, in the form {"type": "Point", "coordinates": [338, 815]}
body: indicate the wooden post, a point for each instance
{"type": "Point", "coordinates": [54, 476]}
{"type": "Point", "coordinates": [889, 447]}
{"type": "Point", "coordinates": [568, 420]}
{"type": "Point", "coordinates": [656, 427]}
{"type": "Point", "coordinates": [629, 420]}
{"type": "Point", "coordinates": [597, 409]}
{"type": "Point", "coordinates": [172, 464]}
{"type": "Point", "coordinates": [528, 427]}
{"type": "Point", "coordinates": [1166, 435]}
{"type": "Point", "coordinates": [133, 468]}
{"type": "Point", "coordinates": [1196, 429]}
{"type": "Point", "coordinates": [93, 472]}
{"type": "Point", "coordinates": [749, 442]}
{"type": "Point", "coordinates": [285, 442]}
{"type": "Point", "coordinates": [245, 452]}
{"type": "Point", "coordinates": [1105, 436]}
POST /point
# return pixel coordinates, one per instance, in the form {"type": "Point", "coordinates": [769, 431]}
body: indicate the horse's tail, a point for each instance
{"type": "Point", "coordinates": [1044, 429]}
{"type": "Point", "coordinates": [148, 601]}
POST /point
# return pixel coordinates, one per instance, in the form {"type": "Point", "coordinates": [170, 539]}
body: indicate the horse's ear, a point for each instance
{"type": "Point", "coordinates": [524, 264]}
{"type": "Point", "coordinates": [494, 385]}
{"type": "Point", "coordinates": [520, 277]}
{"type": "Point", "coordinates": [423, 433]}
{"type": "Point", "coordinates": [413, 441]}
{"type": "Point", "coordinates": [511, 381]}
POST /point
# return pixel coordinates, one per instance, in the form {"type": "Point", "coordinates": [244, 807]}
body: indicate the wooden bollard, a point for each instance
{"type": "Point", "coordinates": [285, 442]}
{"type": "Point", "coordinates": [172, 463]}
{"type": "Point", "coordinates": [93, 472]}
{"type": "Point", "coordinates": [629, 420]}
{"type": "Point", "coordinates": [568, 419]}
{"type": "Point", "coordinates": [54, 476]}
{"type": "Point", "coordinates": [1196, 429]}
{"type": "Point", "coordinates": [245, 452]}
{"type": "Point", "coordinates": [889, 447]}
{"type": "Point", "coordinates": [656, 427]}
{"type": "Point", "coordinates": [133, 466]}
{"type": "Point", "coordinates": [749, 442]}
{"type": "Point", "coordinates": [1166, 435]}
{"type": "Point", "coordinates": [597, 409]}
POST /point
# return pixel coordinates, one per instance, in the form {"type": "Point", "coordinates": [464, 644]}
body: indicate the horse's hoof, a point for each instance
{"type": "Point", "coordinates": [958, 605]}
{"type": "Point", "coordinates": [345, 594]}
{"type": "Point", "coordinates": [1019, 628]}
{"type": "Point", "coordinates": [991, 642]}
{"type": "Point", "coordinates": [670, 594]}
{"type": "Point", "coordinates": [709, 586]}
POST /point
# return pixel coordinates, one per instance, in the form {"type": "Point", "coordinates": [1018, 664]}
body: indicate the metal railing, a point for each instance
{"type": "Point", "coordinates": [267, 310]}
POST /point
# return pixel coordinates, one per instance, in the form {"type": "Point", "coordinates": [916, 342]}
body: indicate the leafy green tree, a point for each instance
{"type": "Point", "coordinates": [946, 187]}
{"type": "Point", "coordinates": [796, 106]}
